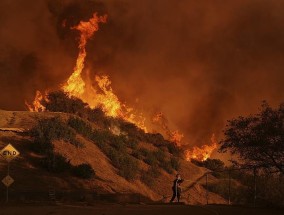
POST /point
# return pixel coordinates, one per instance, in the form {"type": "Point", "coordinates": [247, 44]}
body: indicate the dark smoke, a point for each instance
{"type": "Point", "coordinates": [198, 62]}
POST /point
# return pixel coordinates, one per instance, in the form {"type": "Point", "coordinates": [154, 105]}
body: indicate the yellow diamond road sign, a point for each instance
{"type": "Point", "coordinates": [9, 153]}
{"type": "Point", "coordinates": [8, 180]}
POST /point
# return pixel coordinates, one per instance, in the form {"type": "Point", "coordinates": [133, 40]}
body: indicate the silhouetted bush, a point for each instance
{"type": "Point", "coordinates": [239, 194]}
{"type": "Point", "coordinates": [157, 139]}
{"type": "Point", "coordinates": [55, 163]}
{"type": "Point", "coordinates": [98, 117]}
{"type": "Point", "coordinates": [58, 101]}
{"type": "Point", "coordinates": [175, 150]}
{"type": "Point", "coordinates": [84, 171]}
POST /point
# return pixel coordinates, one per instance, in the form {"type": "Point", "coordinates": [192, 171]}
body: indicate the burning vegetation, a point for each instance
{"type": "Point", "coordinates": [98, 92]}
{"type": "Point", "coordinates": [202, 153]}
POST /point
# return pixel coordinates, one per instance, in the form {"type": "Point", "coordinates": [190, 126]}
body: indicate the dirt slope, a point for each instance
{"type": "Point", "coordinates": [29, 176]}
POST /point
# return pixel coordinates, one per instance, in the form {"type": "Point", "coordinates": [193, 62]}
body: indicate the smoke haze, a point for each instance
{"type": "Point", "coordinates": [198, 62]}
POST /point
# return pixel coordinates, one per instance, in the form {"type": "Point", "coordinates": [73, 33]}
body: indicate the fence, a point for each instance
{"type": "Point", "coordinates": [246, 186]}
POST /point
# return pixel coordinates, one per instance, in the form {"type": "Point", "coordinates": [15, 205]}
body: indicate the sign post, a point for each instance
{"type": "Point", "coordinates": [8, 153]}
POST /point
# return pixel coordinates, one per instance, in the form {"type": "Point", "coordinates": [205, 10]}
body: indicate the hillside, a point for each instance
{"type": "Point", "coordinates": [29, 175]}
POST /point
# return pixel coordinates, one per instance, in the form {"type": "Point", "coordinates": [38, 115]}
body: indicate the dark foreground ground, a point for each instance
{"type": "Point", "coordinates": [112, 209]}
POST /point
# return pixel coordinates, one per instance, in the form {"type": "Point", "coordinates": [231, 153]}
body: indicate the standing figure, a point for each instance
{"type": "Point", "coordinates": [176, 188]}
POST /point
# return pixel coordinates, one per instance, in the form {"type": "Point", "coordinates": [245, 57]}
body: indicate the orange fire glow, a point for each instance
{"type": "Point", "coordinates": [75, 85]}
{"type": "Point", "coordinates": [97, 91]}
{"type": "Point", "coordinates": [100, 94]}
{"type": "Point", "coordinates": [202, 153]}
{"type": "Point", "coordinates": [36, 105]}
{"type": "Point", "coordinates": [174, 136]}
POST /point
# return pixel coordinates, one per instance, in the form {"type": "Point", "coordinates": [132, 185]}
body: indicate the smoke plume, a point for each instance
{"type": "Point", "coordinates": [198, 62]}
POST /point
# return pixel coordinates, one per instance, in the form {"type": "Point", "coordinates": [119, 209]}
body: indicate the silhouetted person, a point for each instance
{"type": "Point", "coordinates": [176, 188]}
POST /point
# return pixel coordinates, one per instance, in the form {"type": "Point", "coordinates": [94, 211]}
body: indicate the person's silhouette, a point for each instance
{"type": "Point", "coordinates": [176, 188]}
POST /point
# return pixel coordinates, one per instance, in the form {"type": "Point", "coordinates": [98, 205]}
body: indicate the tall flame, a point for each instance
{"type": "Point", "coordinates": [98, 92]}
{"type": "Point", "coordinates": [101, 94]}
{"type": "Point", "coordinates": [202, 153]}
{"type": "Point", "coordinates": [75, 85]}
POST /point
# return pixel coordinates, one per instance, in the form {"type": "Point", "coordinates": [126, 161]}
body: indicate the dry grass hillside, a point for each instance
{"type": "Point", "coordinates": [29, 175]}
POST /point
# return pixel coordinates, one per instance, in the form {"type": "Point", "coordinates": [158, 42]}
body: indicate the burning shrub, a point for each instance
{"type": "Point", "coordinates": [58, 101]}
{"type": "Point", "coordinates": [97, 116]}
{"type": "Point", "coordinates": [84, 171]}
{"type": "Point", "coordinates": [212, 164]}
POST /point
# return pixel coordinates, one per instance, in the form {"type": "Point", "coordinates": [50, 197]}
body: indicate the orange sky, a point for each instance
{"type": "Point", "coordinates": [198, 62]}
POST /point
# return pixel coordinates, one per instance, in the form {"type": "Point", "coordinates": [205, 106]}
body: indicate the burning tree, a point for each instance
{"type": "Point", "coordinates": [257, 140]}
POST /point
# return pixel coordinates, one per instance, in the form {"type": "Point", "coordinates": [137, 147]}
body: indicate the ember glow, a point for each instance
{"type": "Point", "coordinates": [202, 153]}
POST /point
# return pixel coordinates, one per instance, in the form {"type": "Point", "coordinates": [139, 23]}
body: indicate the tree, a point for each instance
{"type": "Point", "coordinates": [257, 140]}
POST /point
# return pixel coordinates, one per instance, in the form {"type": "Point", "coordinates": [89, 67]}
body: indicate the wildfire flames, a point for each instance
{"type": "Point", "coordinates": [202, 153]}
{"type": "Point", "coordinates": [75, 85]}
{"type": "Point", "coordinates": [36, 106]}
{"type": "Point", "coordinates": [98, 92]}
{"type": "Point", "coordinates": [174, 136]}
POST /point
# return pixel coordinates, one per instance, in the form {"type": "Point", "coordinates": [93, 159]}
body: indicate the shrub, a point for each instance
{"type": "Point", "coordinates": [175, 164]}
{"type": "Point", "coordinates": [174, 150]}
{"type": "Point", "coordinates": [80, 126]}
{"type": "Point", "coordinates": [128, 166]}
{"type": "Point", "coordinates": [55, 163]}
{"type": "Point", "coordinates": [167, 166]}
{"type": "Point", "coordinates": [58, 101]}
{"type": "Point", "coordinates": [148, 177]}
{"type": "Point", "coordinates": [132, 130]}
{"type": "Point", "coordinates": [48, 130]}
{"type": "Point", "coordinates": [118, 142]}
{"type": "Point", "coordinates": [84, 171]}
{"type": "Point", "coordinates": [160, 155]}
{"type": "Point", "coordinates": [97, 116]}
{"type": "Point", "coordinates": [137, 154]}
{"type": "Point", "coordinates": [239, 194]}
{"type": "Point", "coordinates": [156, 139]}
{"type": "Point", "coordinates": [149, 157]}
